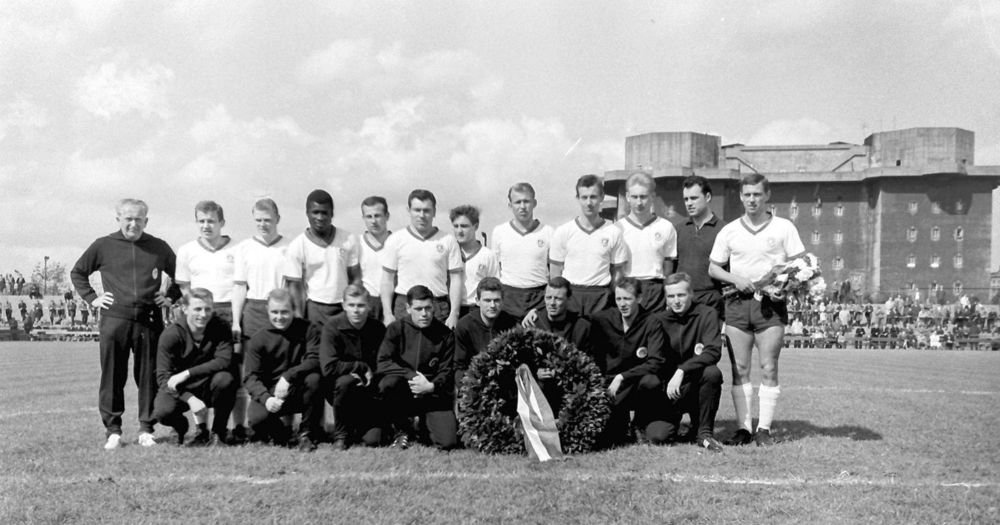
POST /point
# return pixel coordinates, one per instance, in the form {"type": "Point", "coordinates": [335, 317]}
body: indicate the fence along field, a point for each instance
{"type": "Point", "coordinates": [890, 436]}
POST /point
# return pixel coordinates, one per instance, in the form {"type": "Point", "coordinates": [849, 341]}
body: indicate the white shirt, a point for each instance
{"type": "Point", "coordinates": [322, 266]}
{"type": "Point", "coordinates": [418, 260]}
{"type": "Point", "coordinates": [259, 266]}
{"type": "Point", "coordinates": [587, 257]}
{"type": "Point", "coordinates": [523, 257]}
{"type": "Point", "coordinates": [200, 266]}
{"type": "Point", "coordinates": [371, 265]}
{"type": "Point", "coordinates": [752, 253]}
{"type": "Point", "coordinates": [479, 266]}
{"type": "Point", "coordinates": [648, 245]}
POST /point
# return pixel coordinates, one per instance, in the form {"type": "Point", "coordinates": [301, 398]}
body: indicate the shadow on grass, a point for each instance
{"type": "Point", "coordinates": [795, 429]}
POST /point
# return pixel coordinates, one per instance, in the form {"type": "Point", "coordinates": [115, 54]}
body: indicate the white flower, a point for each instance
{"type": "Point", "coordinates": [783, 278]}
{"type": "Point", "coordinates": [804, 275]}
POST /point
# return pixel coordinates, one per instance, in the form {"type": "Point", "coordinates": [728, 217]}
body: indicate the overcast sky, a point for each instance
{"type": "Point", "coordinates": [175, 102]}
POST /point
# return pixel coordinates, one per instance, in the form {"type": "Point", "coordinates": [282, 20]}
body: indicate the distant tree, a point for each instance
{"type": "Point", "coordinates": [55, 271]}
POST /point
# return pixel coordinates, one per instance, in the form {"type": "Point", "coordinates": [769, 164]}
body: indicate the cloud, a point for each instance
{"type": "Point", "coordinates": [114, 88]}
{"type": "Point", "coordinates": [794, 132]}
{"type": "Point", "coordinates": [24, 116]}
{"type": "Point", "coordinates": [968, 19]}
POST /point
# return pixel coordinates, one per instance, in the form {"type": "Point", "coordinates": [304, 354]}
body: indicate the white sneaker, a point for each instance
{"type": "Point", "coordinates": [114, 441]}
{"type": "Point", "coordinates": [146, 439]}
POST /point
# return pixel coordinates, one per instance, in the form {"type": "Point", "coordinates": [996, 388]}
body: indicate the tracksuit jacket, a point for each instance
{"type": "Point", "coordinates": [345, 349]}
{"type": "Point", "coordinates": [698, 326]}
{"type": "Point", "coordinates": [131, 271]}
{"type": "Point", "coordinates": [272, 354]}
{"type": "Point", "coordinates": [618, 352]}
{"type": "Point", "coordinates": [472, 335]}
{"type": "Point", "coordinates": [408, 349]}
{"type": "Point", "coordinates": [571, 327]}
{"type": "Point", "coordinates": [177, 351]}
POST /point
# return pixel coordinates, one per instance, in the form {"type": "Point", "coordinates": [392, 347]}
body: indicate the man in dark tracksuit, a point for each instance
{"type": "Point", "coordinates": [348, 353]}
{"type": "Point", "coordinates": [282, 376]}
{"type": "Point", "coordinates": [630, 348]}
{"type": "Point", "coordinates": [191, 370]}
{"type": "Point", "coordinates": [415, 367]}
{"type": "Point", "coordinates": [554, 317]}
{"type": "Point", "coordinates": [476, 329]}
{"type": "Point", "coordinates": [695, 386]}
{"type": "Point", "coordinates": [132, 265]}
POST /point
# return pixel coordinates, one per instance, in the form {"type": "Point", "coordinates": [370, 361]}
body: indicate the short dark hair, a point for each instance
{"type": "Point", "coordinates": [197, 293]}
{"type": "Point", "coordinates": [629, 283]}
{"type": "Point", "coordinates": [465, 210]}
{"type": "Point", "coordinates": [589, 181]}
{"type": "Point", "coordinates": [319, 197]}
{"type": "Point", "coordinates": [521, 187]}
{"type": "Point", "coordinates": [698, 180]}
{"type": "Point", "coordinates": [561, 283]}
{"type": "Point", "coordinates": [421, 195]}
{"type": "Point", "coordinates": [489, 284]}
{"type": "Point", "coordinates": [754, 179]}
{"type": "Point", "coordinates": [677, 278]}
{"type": "Point", "coordinates": [209, 207]}
{"type": "Point", "coordinates": [418, 293]}
{"type": "Point", "coordinates": [376, 200]}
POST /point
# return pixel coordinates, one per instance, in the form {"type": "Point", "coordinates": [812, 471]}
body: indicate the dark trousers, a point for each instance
{"type": "Point", "coordinates": [321, 312]}
{"type": "Point", "coordinates": [644, 395]}
{"type": "Point", "coordinates": [436, 412]}
{"type": "Point", "coordinates": [304, 398]}
{"type": "Point", "coordinates": [254, 318]}
{"type": "Point", "coordinates": [356, 411]}
{"type": "Point", "coordinates": [519, 301]}
{"type": "Point", "coordinates": [653, 298]}
{"type": "Point", "coordinates": [219, 392]}
{"type": "Point", "coordinates": [442, 307]}
{"type": "Point", "coordinates": [118, 338]}
{"type": "Point", "coordinates": [588, 300]}
{"type": "Point", "coordinates": [700, 394]}
{"type": "Point", "coordinates": [375, 307]}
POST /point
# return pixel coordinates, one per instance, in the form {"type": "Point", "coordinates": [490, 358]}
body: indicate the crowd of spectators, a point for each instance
{"type": "Point", "coordinates": [900, 322]}
{"type": "Point", "coordinates": [24, 309]}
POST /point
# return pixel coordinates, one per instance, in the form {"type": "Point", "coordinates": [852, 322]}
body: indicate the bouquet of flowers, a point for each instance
{"type": "Point", "coordinates": [801, 275]}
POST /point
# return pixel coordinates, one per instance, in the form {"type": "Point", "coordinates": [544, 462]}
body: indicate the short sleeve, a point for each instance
{"type": "Point", "coordinates": [557, 246]}
{"type": "Point", "coordinates": [390, 253]}
{"type": "Point", "coordinates": [670, 247]}
{"type": "Point", "coordinates": [455, 263]}
{"type": "Point", "coordinates": [294, 259]}
{"type": "Point", "coordinates": [793, 244]}
{"type": "Point", "coordinates": [619, 250]}
{"type": "Point", "coordinates": [183, 270]}
{"type": "Point", "coordinates": [720, 250]}
{"type": "Point", "coordinates": [354, 251]}
{"type": "Point", "coordinates": [492, 265]}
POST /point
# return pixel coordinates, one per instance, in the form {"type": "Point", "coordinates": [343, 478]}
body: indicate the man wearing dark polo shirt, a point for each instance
{"type": "Point", "coordinates": [695, 237]}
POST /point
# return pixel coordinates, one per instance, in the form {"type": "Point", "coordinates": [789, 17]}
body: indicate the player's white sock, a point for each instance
{"type": "Point", "coordinates": [743, 401]}
{"type": "Point", "coordinates": [201, 418]}
{"type": "Point", "coordinates": [768, 398]}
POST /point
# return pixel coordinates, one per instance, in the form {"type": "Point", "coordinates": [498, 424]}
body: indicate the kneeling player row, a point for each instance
{"type": "Point", "coordinates": [379, 379]}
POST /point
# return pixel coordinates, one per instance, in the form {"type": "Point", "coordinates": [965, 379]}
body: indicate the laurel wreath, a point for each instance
{"type": "Point", "coordinates": [488, 419]}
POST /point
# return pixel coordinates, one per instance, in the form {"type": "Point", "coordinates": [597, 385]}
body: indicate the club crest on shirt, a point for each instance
{"type": "Point", "coordinates": [230, 258]}
{"type": "Point", "coordinates": [156, 273]}
{"type": "Point", "coordinates": [541, 243]}
{"type": "Point", "coordinates": [641, 353]}
{"type": "Point", "coordinates": [604, 242]}
{"type": "Point", "coordinates": [658, 236]}
{"type": "Point", "coordinates": [771, 242]}
{"type": "Point", "coordinates": [481, 270]}
{"type": "Point", "coordinates": [699, 348]}
{"type": "Point", "coordinates": [440, 248]}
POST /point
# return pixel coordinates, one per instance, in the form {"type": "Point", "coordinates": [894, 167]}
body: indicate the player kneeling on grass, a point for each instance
{"type": "Point", "coordinates": [282, 376]}
{"type": "Point", "coordinates": [192, 362]}
{"type": "Point", "coordinates": [693, 334]}
{"type": "Point", "coordinates": [415, 366]}
{"type": "Point", "coordinates": [630, 348]}
{"type": "Point", "coordinates": [347, 356]}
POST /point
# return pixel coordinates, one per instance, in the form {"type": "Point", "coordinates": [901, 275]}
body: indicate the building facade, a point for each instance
{"type": "Point", "coordinates": [907, 212]}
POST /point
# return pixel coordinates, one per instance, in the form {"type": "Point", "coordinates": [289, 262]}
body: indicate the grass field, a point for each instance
{"type": "Point", "coordinates": [867, 437]}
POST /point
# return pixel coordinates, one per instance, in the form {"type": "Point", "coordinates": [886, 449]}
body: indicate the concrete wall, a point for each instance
{"type": "Point", "coordinates": [920, 146]}
{"type": "Point", "coordinates": [655, 151]}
